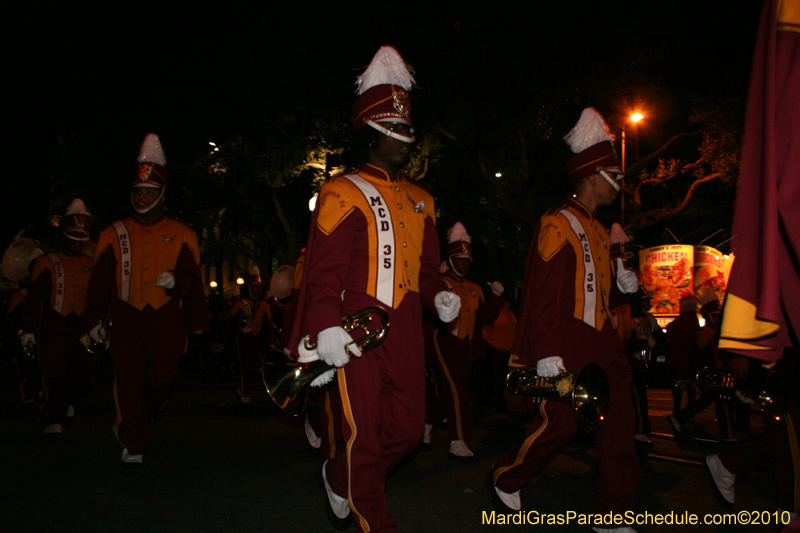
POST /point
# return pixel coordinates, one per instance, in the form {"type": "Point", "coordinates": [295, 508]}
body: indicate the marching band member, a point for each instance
{"type": "Point", "coordinates": [452, 349]}
{"type": "Point", "coordinates": [147, 281]}
{"type": "Point", "coordinates": [373, 242]}
{"type": "Point", "coordinates": [252, 318]}
{"type": "Point", "coordinates": [565, 324]}
{"type": "Point", "coordinates": [56, 299]}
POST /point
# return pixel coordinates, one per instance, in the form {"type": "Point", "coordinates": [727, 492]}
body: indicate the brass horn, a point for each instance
{"type": "Point", "coordinates": [588, 391]}
{"type": "Point", "coordinates": [97, 347]}
{"type": "Point", "coordinates": [286, 380]}
{"type": "Point", "coordinates": [715, 381]}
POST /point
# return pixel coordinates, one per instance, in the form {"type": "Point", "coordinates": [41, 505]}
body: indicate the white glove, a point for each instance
{"type": "Point", "coordinates": [166, 280]}
{"type": "Point", "coordinates": [330, 346]}
{"type": "Point", "coordinates": [306, 355]}
{"type": "Point", "coordinates": [627, 281]}
{"type": "Point", "coordinates": [99, 333]}
{"type": "Point", "coordinates": [26, 338]}
{"type": "Point", "coordinates": [550, 367]}
{"type": "Point", "coordinates": [324, 378]}
{"type": "Point", "coordinates": [247, 329]}
{"type": "Point", "coordinates": [497, 287]}
{"type": "Point", "coordinates": [447, 306]}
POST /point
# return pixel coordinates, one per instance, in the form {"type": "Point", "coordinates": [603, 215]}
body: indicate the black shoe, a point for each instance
{"type": "Point", "coordinates": [338, 523]}
{"type": "Point", "coordinates": [424, 446]}
{"type": "Point", "coordinates": [674, 425]}
{"type": "Point", "coordinates": [499, 505]}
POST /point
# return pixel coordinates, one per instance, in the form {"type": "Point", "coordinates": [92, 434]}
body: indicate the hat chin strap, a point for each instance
{"type": "Point", "coordinates": [609, 179]}
{"type": "Point", "coordinates": [390, 133]}
{"type": "Point", "coordinates": [454, 269]}
{"type": "Point", "coordinates": [147, 209]}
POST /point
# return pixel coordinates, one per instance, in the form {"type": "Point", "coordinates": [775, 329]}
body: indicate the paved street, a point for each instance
{"type": "Point", "coordinates": [216, 466]}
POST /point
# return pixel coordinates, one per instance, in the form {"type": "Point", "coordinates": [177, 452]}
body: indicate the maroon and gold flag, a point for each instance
{"type": "Point", "coordinates": [763, 302]}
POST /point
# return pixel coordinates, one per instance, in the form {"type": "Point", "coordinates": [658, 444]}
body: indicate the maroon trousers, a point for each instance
{"type": "Point", "coordinates": [67, 368]}
{"type": "Point", "coordinates": [451, 360]}
{"type": "Point", "coordinates": [145, 349]}
{"type": "Point", "coordinates": [325, 418]}
{"type": "Point", "coordinates": [618, 476]}
{"type": "Point", "coordinates": [249, 355]}
{"type": "Point", "coordinates": [383, 413]}
{"type": "Point", "coordinates": [780, 443]}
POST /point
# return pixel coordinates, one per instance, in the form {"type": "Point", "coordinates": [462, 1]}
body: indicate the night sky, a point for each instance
{"type": "Point", "coordinates": [108, 76]}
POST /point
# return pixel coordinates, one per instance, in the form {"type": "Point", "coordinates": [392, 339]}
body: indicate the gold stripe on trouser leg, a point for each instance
{"type": "Point", "coordinates": [525, 445]}
{"type": "Point", "coordinates": [459, 429]}
{"type": "Point", "coordinates": [348, 415]}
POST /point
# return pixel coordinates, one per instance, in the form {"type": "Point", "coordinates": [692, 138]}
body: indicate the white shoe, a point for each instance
{"type": "Point", "coordinates": [313, 440]}
{"type": "Point", "coordinates": [722, 478]}
{"type": "Point", "coordinates": [642, 438]}
{"type": "Point", "coordinates": [53, 429]}
{"type": "Point", "coordinates": [459, 449]}
{"type": "Point", "coordinates": [70, 412]}
{"type": "Point", "coordinates": [339, 505]}
{"type": "Point", "coordinates": [128, 458]}
{"type": "Point", "coordinates": [426, 433]}
{"type": "Point", "coordinates": [512, 500]}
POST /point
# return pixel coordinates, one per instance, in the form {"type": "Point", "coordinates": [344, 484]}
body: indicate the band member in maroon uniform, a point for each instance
{"type": "Point", "coordinates": [451, 349]}
{"type": "Point", "coordinates": [565, 323]}
{"type": "Point", "coordinates": [56, 299]}
{"type": "Point", "coordinates": [147, 281]}
{"type": "Point", "coordinates": [373, 242]}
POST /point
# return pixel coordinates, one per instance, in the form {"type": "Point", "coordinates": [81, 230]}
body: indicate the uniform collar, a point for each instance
{"type": "Point", "coordinates": [376, 172]}
{"type": "Point", "coordinates": [139, 220]}
{"type": "Point", "coordinates": [580, 208]}
{"type": "Point", "coordinates": [451, 274]}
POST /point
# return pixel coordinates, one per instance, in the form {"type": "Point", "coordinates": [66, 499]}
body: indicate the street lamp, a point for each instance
{"type": "Point", "coordinates": [636, 117]}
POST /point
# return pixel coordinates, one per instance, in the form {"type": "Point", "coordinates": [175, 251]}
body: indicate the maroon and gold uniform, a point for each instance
{"type": "Point", "coordinates": [451, 350]}
{"type": "Point", "coordinates": [56, 298]}
{"type": "Point", "coordinates": [564, 312]}
{"type": "Point", "coordinates": [249, 340]}
{"type": "Point", "coordinates": [149, 323]}
{"type": "Point", "coordinates": [373, 241]}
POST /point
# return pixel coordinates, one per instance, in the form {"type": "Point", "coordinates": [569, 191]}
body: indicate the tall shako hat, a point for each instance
{"type": "Point", "coordinates": [75, 222]}
{"type": "Point", "coordinates": [151, 171]}
{"type": "Point", "coordinates": [383, 93]}
{"type": "Point", "coordinates": [254, 276]}
{"type": "Point", "coordinates": [593, 145]}
{"type": "Point", "coordinates": [459, 243]}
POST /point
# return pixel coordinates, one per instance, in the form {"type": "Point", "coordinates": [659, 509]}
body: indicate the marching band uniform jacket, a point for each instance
{"type": "Point", "coordinates": [565, 311]}
{"type": "Point", "coordinates": [55, 300]}
{"type": "Point", "coordinates": [149, 323]}
{"type": "Point", "coordinates": [373, 241]}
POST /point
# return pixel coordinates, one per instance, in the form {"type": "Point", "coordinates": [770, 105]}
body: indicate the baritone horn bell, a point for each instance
{"type": "Point", "coordinates": [286, 380]}
{"type": "Point", "coordinates": [588, 392]}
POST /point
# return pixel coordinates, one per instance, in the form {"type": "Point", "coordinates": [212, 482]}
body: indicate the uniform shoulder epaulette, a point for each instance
{"type": "Point", "coordinates": [552, 234]}
{"type": "Point", "coordinates": [335, 202]}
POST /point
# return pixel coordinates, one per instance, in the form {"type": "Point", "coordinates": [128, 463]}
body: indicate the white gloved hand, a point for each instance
{"type": "Point", "coordinates": [627, 280]}
{"type": "Point", "coordinates": [247, 329]}
{"type": "Point", "coordinates": [497, 287]}
{"type": "Point", "coordinates": [306, 355]}
{"type": "Point", "coordinates": [330, 346]}
{"type": "Point", "coordinates": [447, 305]}
{"type": "Point", "coordinates": [550, 367]}
{"type": "Point", "coordinates": [99, 333]}
{"type": "Point", "coordinates": [26, 338]}
{"type": "Point", "coordinates": [324, 378]}
{"type": "Point", "coordinates": [166, 280]}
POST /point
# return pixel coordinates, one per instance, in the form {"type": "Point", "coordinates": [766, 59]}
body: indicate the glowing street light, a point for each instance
{"type": "Point", "coordinates": [213, 284]}
{"type": "Point", "coordinates": [636, 117]}
{"type": "Point", "coordinates": [240, 281]}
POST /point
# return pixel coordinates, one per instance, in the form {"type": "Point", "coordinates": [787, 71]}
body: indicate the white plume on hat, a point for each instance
{"type": "Point", "coordinates": [77, 207]}
{"type": "Point", "coordinates": [387, 67]}
{"type": "Point", "coordinates": [254, 271]}
{"type": "Point", "coordinates": [458, 233]}
{"type": "Point", "coordinates": [151, 151]}
{"type": "Point", "coordinates": [590, 130]}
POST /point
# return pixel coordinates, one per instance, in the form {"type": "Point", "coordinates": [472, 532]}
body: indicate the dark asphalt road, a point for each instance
{"type": "Point", "coordinates": [216, 466]}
